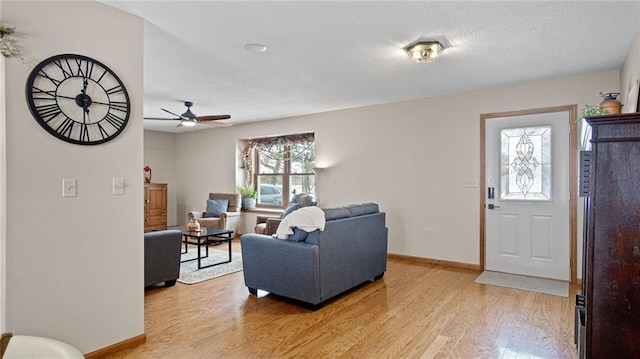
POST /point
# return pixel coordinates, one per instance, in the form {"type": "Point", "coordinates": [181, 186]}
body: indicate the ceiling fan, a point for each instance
{"type": "Point", "coordinates": [189, 119]}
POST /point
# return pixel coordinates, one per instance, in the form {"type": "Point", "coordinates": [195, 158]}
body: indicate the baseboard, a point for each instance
{"type": "Point", "coordinates": [117, 347]}
{"type": "Point", "coordinates": [438, 262]}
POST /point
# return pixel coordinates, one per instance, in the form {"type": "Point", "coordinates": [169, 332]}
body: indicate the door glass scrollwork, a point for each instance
{"type": "Point", "coordinates": [526, 164]}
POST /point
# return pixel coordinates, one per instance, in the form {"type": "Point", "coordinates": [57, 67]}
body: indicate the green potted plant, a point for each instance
{"type": "Point", "coordinates": [248, 194]}
{"type": "Point", "coordinates": [590, 110]}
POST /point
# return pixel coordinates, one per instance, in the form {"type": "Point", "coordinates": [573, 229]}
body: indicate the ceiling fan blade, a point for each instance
{"type": "Point", "coordinates": [167, 111]}
{"type": "Point", "coordinates": [161, 119]}
{"type": "Point", "coordinates": [213, 118]}
{"type": "Point", "coordinates": [216, 124]}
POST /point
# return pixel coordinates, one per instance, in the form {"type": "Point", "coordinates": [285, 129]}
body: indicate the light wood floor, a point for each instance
{"type": "Point", "coordinates": [416, 311]}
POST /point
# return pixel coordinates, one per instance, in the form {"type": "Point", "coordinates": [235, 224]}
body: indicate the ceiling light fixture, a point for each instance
{"type": "Point", "coordinates": [424, 51]}
{"type": "Point", "coordinates": [255, 47]}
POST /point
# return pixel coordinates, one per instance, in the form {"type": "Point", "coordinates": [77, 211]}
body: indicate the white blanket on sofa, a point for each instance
{"type": "Point", "coordinates": [306, 218]}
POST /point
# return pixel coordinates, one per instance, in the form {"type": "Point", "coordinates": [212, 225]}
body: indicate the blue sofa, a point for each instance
{"type": "Point", "coordinates": [162, 257]}
{"type": "Point", "coordinates": [350, 251]}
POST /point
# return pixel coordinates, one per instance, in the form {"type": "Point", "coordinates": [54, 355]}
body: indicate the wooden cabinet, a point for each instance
{"type": "Point", "coordinates": [612, 253]}
{"type": "Point", "coordinates": [155, 206]}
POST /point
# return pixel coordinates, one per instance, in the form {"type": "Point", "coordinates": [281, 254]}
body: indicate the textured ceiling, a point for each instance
{"type": "Point", "coordinates": [325, 56]}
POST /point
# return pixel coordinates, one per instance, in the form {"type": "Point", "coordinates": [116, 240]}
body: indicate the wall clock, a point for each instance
{"type": "Point", "coordinates": [78, 99]}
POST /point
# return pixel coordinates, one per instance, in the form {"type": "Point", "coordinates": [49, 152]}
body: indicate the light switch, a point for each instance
{"type": "Point", "coordinates": [118, 186]}
{"type": "Point", "coordinates": [69, 187]}
{"type": "Point", "coordinates": [471, 183]}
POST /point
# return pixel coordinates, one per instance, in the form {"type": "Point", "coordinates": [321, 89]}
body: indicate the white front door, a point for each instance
{"type": "Point", "coordinates": [527, 220]}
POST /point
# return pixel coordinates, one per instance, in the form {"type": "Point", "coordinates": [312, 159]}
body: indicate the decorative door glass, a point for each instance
{"type": "Point", "coordinates": [526, 164]}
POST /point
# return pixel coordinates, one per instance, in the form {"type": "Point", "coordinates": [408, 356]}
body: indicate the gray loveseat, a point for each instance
{"type": "Point", "coordinates": [162, 257]}
{"type": "Point", "coordinates": [351, 250]}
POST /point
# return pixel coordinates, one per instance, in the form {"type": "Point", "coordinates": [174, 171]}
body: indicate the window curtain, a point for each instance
{"type": "Point", "coordinates": [266, 143]}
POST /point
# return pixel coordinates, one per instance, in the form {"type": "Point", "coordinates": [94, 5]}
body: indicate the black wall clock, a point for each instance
{"type": "Point", "coordinates": [78, 99]}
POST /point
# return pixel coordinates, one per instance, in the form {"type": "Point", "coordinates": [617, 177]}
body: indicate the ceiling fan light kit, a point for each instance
{"type": "Point", "coordinates": [188, 122]}
{"type": "Point", "coordinates": [424, 51]}
{"type": "Point", "coordinates": [189, 119]}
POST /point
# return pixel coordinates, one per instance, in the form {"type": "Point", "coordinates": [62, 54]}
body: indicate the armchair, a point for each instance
{"type": "Point", "coordinates": [228, 219]}
{"type": "Point", "coordinates": [269, 224]}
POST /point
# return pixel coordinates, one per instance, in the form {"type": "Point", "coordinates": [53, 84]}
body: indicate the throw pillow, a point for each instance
{"type": "Point", "coordinates": [298, 235]}
{"type": "Point", "coordinates": [215, 207]}
{"type": "Point", "coordinates": [290, 208]}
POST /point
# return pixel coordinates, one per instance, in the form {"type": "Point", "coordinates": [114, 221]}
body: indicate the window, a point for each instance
{"type": "Point", "coordinates": [281, 167]}
{"type": "Point", "coordinates": [526, 164]}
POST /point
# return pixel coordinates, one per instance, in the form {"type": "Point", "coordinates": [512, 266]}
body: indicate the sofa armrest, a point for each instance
{"type": "Point", "coordinates": [230, 221]}
{"type": "Point", "coordinates": [162, 256]}
{"type": "Point", "coordinates": [281, 267]}
{"type": "Point", "coordinates": [230, 214]}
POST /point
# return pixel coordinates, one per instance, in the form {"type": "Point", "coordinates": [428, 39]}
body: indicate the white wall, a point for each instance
{"type": "Point", "coordinates": [411, 157]}
{"type": "Point", "coordinates": [630, 71]}
{"type": "Point", "coordinates": [74, 265]}
{"type": "Point", "coordinates": [160, 156]}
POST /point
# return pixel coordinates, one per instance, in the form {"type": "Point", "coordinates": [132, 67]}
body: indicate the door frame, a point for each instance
{"type": "Point", "coordinates": [573, 178]}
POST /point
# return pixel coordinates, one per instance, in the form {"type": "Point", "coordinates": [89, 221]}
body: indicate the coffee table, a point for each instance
{"type": "Point", "coordinates": [205, 237]}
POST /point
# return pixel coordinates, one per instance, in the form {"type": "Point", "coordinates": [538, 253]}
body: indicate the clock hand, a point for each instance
{"type": "Point", "coordinates": [100, 103]}
{"type": "Point", "coordinates": [69, 97]}
{"type": "Point", "coordinates": [84, 94]}
{"type": "Point", "coordinates": [92, 102]}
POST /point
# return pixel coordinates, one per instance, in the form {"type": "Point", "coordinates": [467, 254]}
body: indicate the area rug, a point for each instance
{"type": "Point", "coordinates": [532, 284]}
{"type": "Point", "coordinates": [190, 274]}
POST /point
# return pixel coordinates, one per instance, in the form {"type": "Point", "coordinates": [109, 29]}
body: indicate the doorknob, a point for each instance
{"type": "Point", "coordinates": [492, 206]}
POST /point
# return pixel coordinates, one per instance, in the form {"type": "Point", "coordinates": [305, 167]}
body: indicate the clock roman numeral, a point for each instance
{"type": "Point", "coordinates": [47, 95]}
{"type": "Point", "coordinates": [101, 76]}
{"type": "Point", "coordinates": [103, 132]}
{"type": "Point", "coordinates": [56, 82]}
{"type": "Point", "coordinates": [119, 106]}
{"type": "Point", "coordinates": [114, 90]}
{"type": "Point", "coordinates": [66, 127]}
{"type": "Point", "coordinates": [66, 71]}
{"type": "Point", "coordinates": [84, 133]}
{"type": "Point", "coordinates": [85, 68]}
{"type": "Point", "coordinates": [48, 112]}
{"type": "Point", "coordinates": [114, 120]}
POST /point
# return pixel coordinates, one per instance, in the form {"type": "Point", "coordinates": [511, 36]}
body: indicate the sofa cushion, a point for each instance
{"type": "Point", "coordinates": [362, 209]}
{"type": "Point", "coordinates": [215, 207]}
{"type": "Point", "coordinates": [336, 213]}
{"type": "Point", "coordinates": [290, 208]}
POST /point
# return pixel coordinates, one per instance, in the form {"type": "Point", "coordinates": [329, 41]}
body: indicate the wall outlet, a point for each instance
{"type": "Point", "coordinates": [429, 233]}
{"type": "Point", "coordinates": [471, 183]}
